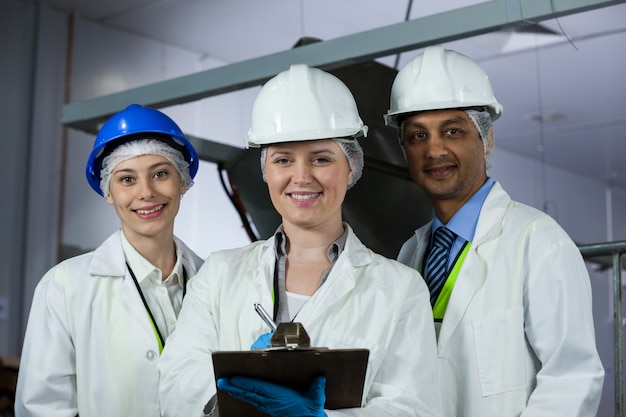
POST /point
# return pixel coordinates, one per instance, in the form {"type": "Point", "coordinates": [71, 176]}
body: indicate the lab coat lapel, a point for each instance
{"type": "Point", "coordinates": [108, 265]}
{"type": "Point", "coordinates": [191, 262]}
{"type": "Point", "coordinates": [470, 280]}
{"type": "Point", "coordinates": [129, 295]}
{"type": "Point", "coordinates": [263, 275]}
{"type": "Point", "coordinates": [475, 268]}
{"type": "Point", "coordinates": [422, 237]}
{"type": "Point", "coordinates": [341, 280]}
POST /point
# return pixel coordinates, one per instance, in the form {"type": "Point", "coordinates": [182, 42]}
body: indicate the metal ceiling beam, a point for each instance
{"type": "Point", "coordinates": [213, 151]}
{"type": "Point", "coordinates": [357, 48]}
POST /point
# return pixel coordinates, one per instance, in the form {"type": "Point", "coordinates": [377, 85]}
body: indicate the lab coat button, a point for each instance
{"type": "Point", "coordinates": [151, 355]}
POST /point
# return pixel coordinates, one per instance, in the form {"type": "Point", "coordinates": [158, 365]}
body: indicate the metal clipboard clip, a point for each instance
{"type": "Point", "coordinates": [290, 336]}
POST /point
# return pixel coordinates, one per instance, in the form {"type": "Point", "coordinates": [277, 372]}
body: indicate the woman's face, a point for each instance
{"type": "Point", "coordinates": [146, 192]}
{"type": "Point", "coordinates": [308, 181]}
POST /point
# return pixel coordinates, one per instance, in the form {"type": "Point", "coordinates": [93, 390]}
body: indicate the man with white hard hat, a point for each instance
{"type": "Point", "coordinates": [510, 292]}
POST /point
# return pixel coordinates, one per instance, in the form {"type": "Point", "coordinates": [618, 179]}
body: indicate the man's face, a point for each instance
{"type": "Point", "coordinates": [445, 155]}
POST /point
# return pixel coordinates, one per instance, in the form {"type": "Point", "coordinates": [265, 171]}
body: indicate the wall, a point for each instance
{"type": "Point", "coordinates": [32, 86]}
{"type": "Point", "coordinates": [42, 164]}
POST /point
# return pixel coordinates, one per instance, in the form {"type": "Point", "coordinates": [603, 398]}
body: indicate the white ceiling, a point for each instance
{"type": "Point", "coordinates": [564, 94]}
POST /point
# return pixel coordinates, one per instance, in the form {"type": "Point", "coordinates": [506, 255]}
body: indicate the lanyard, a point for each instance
{"type": "Point", "coordinates": [441, 304]}
{"type": "Point", "coordinates": [439, 309]}
{"type": "Point", "coordinates": [155, 328]}
{"type": "Point", "coordinates": [276, 295]}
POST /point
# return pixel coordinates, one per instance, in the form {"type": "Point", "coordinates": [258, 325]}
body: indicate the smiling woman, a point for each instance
{"type": "Point", "coordinates": [314, 269]}
{"type": "Point", "coordinates": [103, 317]}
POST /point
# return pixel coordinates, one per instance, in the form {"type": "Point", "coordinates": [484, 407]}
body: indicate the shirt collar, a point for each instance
{"type": "Point", "coordinates": [334, 250]}
{"type": "Point", "coordinates": [144, 269]}
{"type": "Point", "coordinates": [464, 221]}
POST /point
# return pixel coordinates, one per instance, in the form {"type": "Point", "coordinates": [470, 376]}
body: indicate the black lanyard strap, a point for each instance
{"type": "Point", "coordinates": [145, 303]}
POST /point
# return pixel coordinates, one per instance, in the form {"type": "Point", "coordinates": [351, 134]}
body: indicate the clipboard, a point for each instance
{"type": "Point", "coordinates": [344, 370]}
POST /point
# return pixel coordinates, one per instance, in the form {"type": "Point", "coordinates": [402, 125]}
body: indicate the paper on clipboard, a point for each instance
{"type": "Point", "coordinates": [344, 370]}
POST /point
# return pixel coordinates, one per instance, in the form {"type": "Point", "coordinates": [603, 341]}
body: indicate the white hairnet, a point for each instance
{"type": "Point", "coordinates": [141, 147]}
{"type": "Point", "coordinates": [354, 153]}
{"type": "Point", "coordinates": [484, 125]}
{"type": "Point", "coordinates": [350, 147]}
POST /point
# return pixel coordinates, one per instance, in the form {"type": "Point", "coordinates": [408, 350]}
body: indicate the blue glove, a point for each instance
{"type": "Point", "coordinates": [276, 400]}
{"type": "Point", "coordinates": [263, 342]}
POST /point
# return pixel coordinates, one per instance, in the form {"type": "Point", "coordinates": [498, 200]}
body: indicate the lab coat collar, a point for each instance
{"type": "Point", "coordinates": [356, 253]}
{"type": "Point", "coordinates": [354, 250]}
{"type": "Point", "coordinates": [342, 277]}
{"type": "Point", "coordinates": [143, 269]}
{"type": "Point", "coordinates": [108, 259]}
{"type": "Point", "coordinates": [492, 214]}
{"type": "Point", "coordinates": [191, 262]}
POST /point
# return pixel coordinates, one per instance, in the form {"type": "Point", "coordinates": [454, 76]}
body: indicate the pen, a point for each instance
{"type": "Point", "coordinates": [266, 317]}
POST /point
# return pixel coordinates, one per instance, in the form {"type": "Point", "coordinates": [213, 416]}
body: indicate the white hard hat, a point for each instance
{"type": "Point", "coordinates": [440, 79]}
{"type": "Point", "coordinates": [303, 103]}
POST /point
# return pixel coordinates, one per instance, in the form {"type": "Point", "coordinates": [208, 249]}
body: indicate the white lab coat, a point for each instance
{"type": "Point", "coordinates": [517, 338]}
{"type": "Point", "coordinates": [367, 301]}
{"type": "Point", "coordinates": [89, 344]}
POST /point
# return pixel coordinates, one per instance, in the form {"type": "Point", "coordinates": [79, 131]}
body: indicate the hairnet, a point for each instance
{"type": "Point", "coordinates": [350, 147]}
{"type": "Point", "coordinates": [139, 147]}
{"type": "Point", "coordinates": [484, 125]}
{"type": "Point", "coordinates": [353, 151]}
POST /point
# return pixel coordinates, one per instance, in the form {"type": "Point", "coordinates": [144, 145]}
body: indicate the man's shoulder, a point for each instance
{"type": "Point", "coordinates": [521, 221]}
{"type": "Point", "coordinates": [512, 210]}
{"type": "Point", "coordinates": [525, 214]}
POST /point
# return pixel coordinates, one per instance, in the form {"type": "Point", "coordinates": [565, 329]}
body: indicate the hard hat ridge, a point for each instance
{"type": "Point", "coordinates": [440, 79]}
{"type": "Point", "coordinates": [303, 103]}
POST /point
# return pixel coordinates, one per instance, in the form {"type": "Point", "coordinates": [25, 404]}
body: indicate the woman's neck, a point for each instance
{"type": "Point", "coordinates": [311, 242]}
{"type": "Point", "coordinates": [160, 251]}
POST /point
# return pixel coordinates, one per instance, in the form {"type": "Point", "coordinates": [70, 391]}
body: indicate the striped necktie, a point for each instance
{"type": "Point", "coordinates": [437, 261]}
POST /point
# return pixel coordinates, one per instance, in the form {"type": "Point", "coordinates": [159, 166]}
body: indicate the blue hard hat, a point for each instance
{"type": "Point", "coordinates": [126, 124]}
